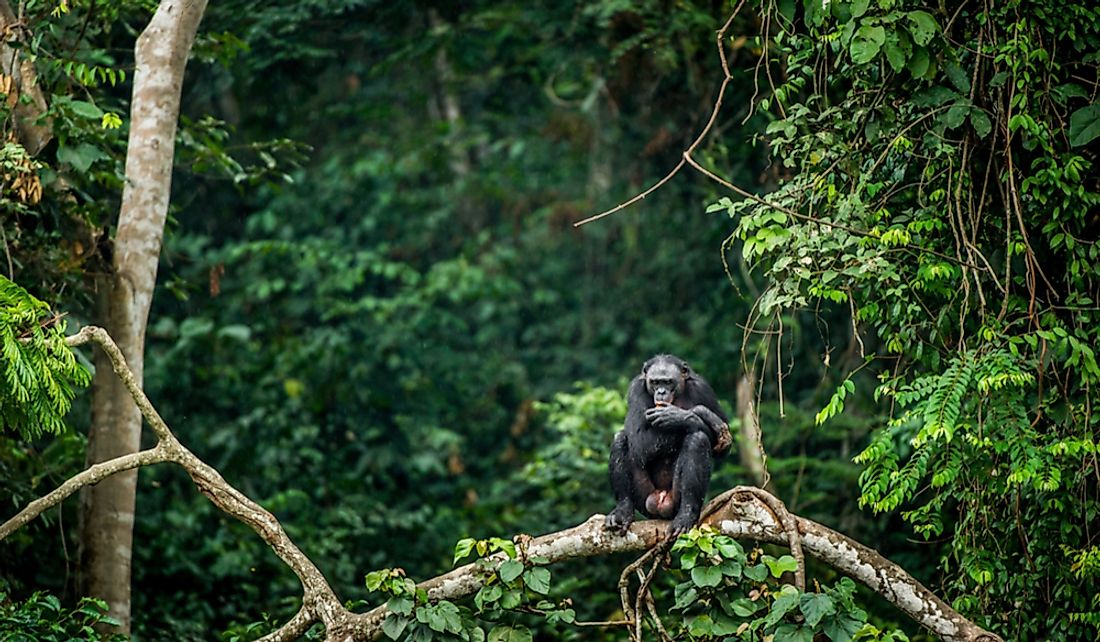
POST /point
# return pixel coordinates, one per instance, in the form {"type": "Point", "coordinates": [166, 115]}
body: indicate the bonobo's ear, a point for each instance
{"type": "Point", "coordinates": [647, 364]}
{"type": "Point", "coordinates": [685, 369]}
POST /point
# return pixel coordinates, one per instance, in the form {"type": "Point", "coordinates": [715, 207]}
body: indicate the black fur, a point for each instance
{"type": "Point", "coordinates": [661, 460]}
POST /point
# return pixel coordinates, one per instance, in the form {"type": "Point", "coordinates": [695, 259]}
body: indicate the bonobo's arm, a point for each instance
{"type": "Point", "coordinates": [717, 428]}
{"type": "Point", "coordinates": [699, 418]}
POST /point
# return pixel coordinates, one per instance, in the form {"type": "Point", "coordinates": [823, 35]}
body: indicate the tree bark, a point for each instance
{"type": "Point", "coordinates": [124, 297]}
{"type": "Point", "coordinates": [25, 97]}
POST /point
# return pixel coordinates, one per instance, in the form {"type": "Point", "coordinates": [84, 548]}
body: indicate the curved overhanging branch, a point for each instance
{"type": "Point", "coordinates": [742, 512]}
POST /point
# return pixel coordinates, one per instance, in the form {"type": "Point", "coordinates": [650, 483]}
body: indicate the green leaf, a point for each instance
{"type": "Point", "coordinates": [958, 77]}
{"type": "Point", "coordinates": [898, 49]}
{"type": "Point", "coordinates": [686, 595]}
{"type": "Point", "coordinates": [706, 576]}
{"type": "Point", "coordinates": [400, 605]}
{"type": "Point", "coordinates": [538, 580]}
{"type": "Point", "coordinates": [841, 628]}
{"type": "Point", "coordinates": [923, 26]}
{"type": "Point", "coordinates": [463, 548]}
{"type": "Point", "coordinates": [859, 7]}
{"type": "Point", "coordinates": [510, 570]}
{"type": "Point", "coordinates": [778, 567]}
{"type": "Point", "coordinates": [701, 626]}
{"type": "Point", "coordinates": [980, 122]}
{"type": "Point", "coordinates": [744, 607]}
{"type": "Point", "coordinates": [866, 43]}
{"type": "Point", "coordinates": [757, 572]}
{"type": "Point", "coordinates": [786, 601]}
{"type": "Point", "coordinates": [1084, 125]}
{"type": "Point", "coordinates": [488, 595]}
{"type": "Point", "coordinates": [86, 109]}
{"type": "Point", "coordinates": [394, 625]}
{"type": "Point", "coordinates": [934, 96]}
{"type": "Point", "coordinates": [511, 599]}
{"type": "Point", "coordinates": [957, 114]}
{"type": "Point", "coordinates": [793, 633]}
{"type": "Point", "coordinates": [816, 606]}
{"type": "Point", "coordinates": [510, 634]}
{"type": "Point", "coordinates": [81, 157]}
{"type": "Point", "coordinates": [919, 62]}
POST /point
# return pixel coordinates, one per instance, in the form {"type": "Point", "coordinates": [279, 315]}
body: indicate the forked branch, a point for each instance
{"type": "Point", "coordinates": [743, 512]}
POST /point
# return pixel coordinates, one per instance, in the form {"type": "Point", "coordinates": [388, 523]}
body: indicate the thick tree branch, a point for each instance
{"type": "Point", "coordinates": [742, 512]}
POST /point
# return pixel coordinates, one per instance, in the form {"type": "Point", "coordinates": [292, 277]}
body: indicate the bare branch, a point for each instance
{"type": "Point", "coordinates": [91, 475]}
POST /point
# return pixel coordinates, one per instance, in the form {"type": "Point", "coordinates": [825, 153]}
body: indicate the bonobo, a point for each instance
{"type": "Point", "coordinates": [661, 459]}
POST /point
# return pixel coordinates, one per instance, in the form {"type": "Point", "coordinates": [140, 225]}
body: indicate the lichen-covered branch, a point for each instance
{"type": "Point", "coordinates": [739, 513]}
{"type": "Point", "coordinates": [742, 512]}
{"type": "Point", "coordinates": [320, 602]}
{"type": "Point", "coordinates": [91, 475]}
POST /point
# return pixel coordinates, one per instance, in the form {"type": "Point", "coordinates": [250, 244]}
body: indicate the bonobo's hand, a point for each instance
{"type": "Point", "coordinates": [665, 417]}
{"type": "Point", "coordinates": [620, 519]}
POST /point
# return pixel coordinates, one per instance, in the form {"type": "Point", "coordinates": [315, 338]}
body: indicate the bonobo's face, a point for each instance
{"type": "Point", "coordinates": [664, 379]}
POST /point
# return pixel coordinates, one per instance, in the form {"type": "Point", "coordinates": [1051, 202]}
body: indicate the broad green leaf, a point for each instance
{"type": "Point", "coordinates": [538, 580]}
{"type": "Point", "coordinates": [785, 564]}
{"type": "Point", "coordinates": [510, 570]}
{"type": "Point", "coordinates": [816, 606]}
{"type": "Point", "coordinates": [980, 122]}
{"type": "Point", "coordinates": [866, 43]}
{"type": "Point", "coordinates": [686, 594]}
{"type": "Point", "coordinates": [706, 575]}
{"type": "Point", "coordinates": [934, 96]}
{"type": "Point", "coordinates": [919, 62]}
{"type": "Point", "coordinates": [510, 634]}
{"type": "Point", "coordinates": [841, 628]}
{"type": "Point", "coordinates": [86, 109]}
{"type": "Point", "coordinates": [394, 625]}
{"type": "Point", "coordinates": [958, 77]}
{"type": "Point", "coordinates": [488, 595]}
{"type": "Point", "coordinates": [757, 572]}
{"type": "Point", "coordinates": [400, 605]}
{"type": "Point", "coordinates": [511, 599]}
{"type": "Point", "coordinates": [793, 633]}
{"type": "Point", "coordinates": [859, 7]}
{"type": "Point", "coordinates": [80, 157]}
{"type": "Point", "coordinates": [957, 114]}
{"type": "Point", "coordinates": [786, 601]}
{"type": "Point", "coordinates": [898, 49]}
{"type": "Point", "coordinates": [1084, 125]}
{"type": "Point", "coordinates": [923, 26]}
{"type": "Point", "coordinates": [701, 626]}
{"type": "Point", "coordinates": [463, 548]}
{"type": "Point", "coordinates": [744, 607]}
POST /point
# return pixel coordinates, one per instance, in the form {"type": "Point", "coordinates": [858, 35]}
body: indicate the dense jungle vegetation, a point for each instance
{"type": "Point", "coordinates": [375, 316]}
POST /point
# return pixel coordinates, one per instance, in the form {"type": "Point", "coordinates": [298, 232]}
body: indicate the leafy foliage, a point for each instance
{"type": "Point", "coordinates": [42, 618]}
{"type": "Point", "coordinates": [936, 192]}
{"type": "Point", "coordinates": [733, 594]}
{"type": "Point", "coordinates": [40, 374]}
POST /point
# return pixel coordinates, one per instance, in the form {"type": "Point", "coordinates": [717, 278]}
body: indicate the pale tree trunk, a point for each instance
{"type": "Point", "coordinates": [20, 82]}
{"type": "Point", "coordinates": [124, 296]}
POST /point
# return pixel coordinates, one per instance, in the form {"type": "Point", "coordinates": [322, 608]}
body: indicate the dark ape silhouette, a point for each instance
{"type": "Point", "coordinates": [661, 459]}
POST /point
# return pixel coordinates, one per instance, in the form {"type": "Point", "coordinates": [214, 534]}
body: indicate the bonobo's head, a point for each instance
{"type": "Point", "coordinates": [665, 377]}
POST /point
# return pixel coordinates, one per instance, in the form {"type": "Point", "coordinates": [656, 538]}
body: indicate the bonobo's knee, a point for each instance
{"type": "Point", "coordinates": [697, 442]}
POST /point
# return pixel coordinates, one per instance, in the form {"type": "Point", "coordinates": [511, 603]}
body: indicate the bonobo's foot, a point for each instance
{"type": "Point", "coordinates": [682, 523]}
{"type": "Point", "coordinates": [620, 518]}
